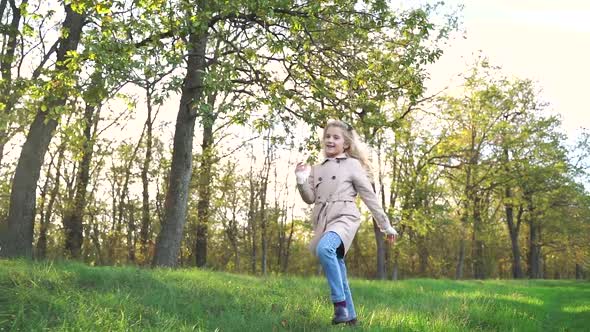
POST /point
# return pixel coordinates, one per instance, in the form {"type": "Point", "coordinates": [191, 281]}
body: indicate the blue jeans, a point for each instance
{"type": "Point", "coordinates": [330, 251]}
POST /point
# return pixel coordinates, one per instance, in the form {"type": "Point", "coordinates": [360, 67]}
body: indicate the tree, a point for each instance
{"type": "Point", "coordinates": [282, 28]}
{"type": "Point", "coordinates": [18, 239]}
{"type": "Point", "coordinates": [474, 121]}
{"type": "Point", "coordinates": [10, 89]}
{"type": "Point", "coordinates": [524, 133]}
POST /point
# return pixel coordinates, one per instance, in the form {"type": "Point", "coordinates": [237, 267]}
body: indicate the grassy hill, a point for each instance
{"type": "Point", "coordinates": [75, 297]}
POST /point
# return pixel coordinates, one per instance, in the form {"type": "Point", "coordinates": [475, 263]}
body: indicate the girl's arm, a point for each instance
{"type": "Point", "coordinates": [361, 183]}
{"type": "Point", "coordinates": [307, 188]}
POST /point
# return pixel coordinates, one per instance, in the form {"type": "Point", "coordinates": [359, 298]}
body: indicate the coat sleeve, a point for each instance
{"type": "Point", "coordinates": [362, 185]}
{"type": "Point", "coordinates": [307, 189]}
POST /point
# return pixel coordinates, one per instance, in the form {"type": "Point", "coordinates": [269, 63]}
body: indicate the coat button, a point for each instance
{"type": "Point", "coordinates": [333, 177]}
{"type": "Point", "coordinates": [320, 178]}
{"type": "Point", "coordinates": [338, 161]}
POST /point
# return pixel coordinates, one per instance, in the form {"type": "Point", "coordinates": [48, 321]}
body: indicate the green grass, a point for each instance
{"type": "Point", "coordinates": [75, 297]}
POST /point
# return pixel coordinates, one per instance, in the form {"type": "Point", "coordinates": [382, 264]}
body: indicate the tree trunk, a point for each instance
{"type": "Point", "coordinates": [73, 218]}
{"type": "Point", "coordinates": [579, 271]}
{"type": "Point", "coordinates": [205, 182]}
{"type": "Point", "coordinates": [281, 223]}
{"type": "Point", "coordinates": [478, 245]}
{"type": "Point", "coordinates": [422, 256]}
{"type": "Point", "coordinates": [284, 241]}
{"type": "Point", "coordinates": [514, 230]}
{"type": "Point", "coordinates": [41, 248]}
{"type": "Point", "coordinates": [145, 207]}
{"type": "Point", "coordinates": [18, 238]}
{"type": "Point", "coordinates": [395, 270]}
{"type": "Point", "coordinates": [288, 247]}
{"type": "Point", "coordinates": [465, 216]}
{"type": "Point", "coordinates": [461, 259]}
{"type": "Point", "coordinates": [94, 236]}
{"type": "Point", "coordinates": [120, 213]}
{"type": "Point", "coordinates": [170, 236]}
{"type": "Point", "coordinates": [234, 241]}
{"type": "Point", "coordinates": [381, 272]}
{"type": "Point", "coordinates": [45, 219]}
{"type": "Point", "coordinates": [464, 221]}
{"type": "Point", "coordinates": [252, 212]}
{"type": "Point", "coordinates": [535, 250]}
{"type": "Point", "coordinates": [380, 242]}
{"type": "Point", "coordinates": [534, 268]}
{"type": "Point", "coordinates": [131, 233]}
{"type": "Point", "coordinates": [263, 213]}
{"type": "Point", "coordinates": [231, 227]}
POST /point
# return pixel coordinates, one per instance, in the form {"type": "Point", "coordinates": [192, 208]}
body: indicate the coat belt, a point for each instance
{"type": "Point", "coordinates": [335, 199]}
{"type": "Point", "coordinates": [323, 210]}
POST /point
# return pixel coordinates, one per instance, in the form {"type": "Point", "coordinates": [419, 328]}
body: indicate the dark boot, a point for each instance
{"type": "Point", "coordinates": [340, 315]}
{"type": "Point", "coordinates": [351, 322]}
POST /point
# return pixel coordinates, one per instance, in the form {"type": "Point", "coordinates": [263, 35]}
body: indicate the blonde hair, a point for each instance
{"type": "Point", "coordinates": [355, 148]}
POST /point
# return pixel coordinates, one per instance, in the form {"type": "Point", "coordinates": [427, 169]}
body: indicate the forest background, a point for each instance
{"type": "Point", "coordinates": [165, 133]}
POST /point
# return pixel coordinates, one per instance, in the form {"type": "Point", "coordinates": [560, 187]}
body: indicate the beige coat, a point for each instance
{"type": "Point", "coordinates": [333, 186]}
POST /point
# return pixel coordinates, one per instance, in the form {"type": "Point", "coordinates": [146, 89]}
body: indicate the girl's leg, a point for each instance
{"type": "Point", "coordinates": [326, 252]}
{"type": "Point", "coordinates": [346, 288]}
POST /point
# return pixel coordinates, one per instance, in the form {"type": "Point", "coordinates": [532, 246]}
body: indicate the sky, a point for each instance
{"type": "Point", "coordinates": [547, 41]}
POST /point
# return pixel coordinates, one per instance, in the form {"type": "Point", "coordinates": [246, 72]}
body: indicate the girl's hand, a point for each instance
{"type": "Point", "coordinates": [391, 234]}
{"type": "Point", "coordinates": [302, 172]}
{"type": "Point", "coordinates": [391, 238]}
{"type": "Point", "coordinates": [301, 167]}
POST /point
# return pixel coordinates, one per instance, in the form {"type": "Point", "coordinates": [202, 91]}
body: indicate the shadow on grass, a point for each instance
{"type": "Point", "coordinates": [443, 305]}
{"type": "Point", "coordinates": [77, 297]}
{"type": "Point", "coordinates": [71, 296]}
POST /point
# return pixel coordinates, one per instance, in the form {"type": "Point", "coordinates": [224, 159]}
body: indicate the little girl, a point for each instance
{"type": "Point", "coordinates": [333, 185]}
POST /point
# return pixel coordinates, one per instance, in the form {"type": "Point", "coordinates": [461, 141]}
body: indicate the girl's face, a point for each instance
{"type": "Point", "coordinates": [334, 144]}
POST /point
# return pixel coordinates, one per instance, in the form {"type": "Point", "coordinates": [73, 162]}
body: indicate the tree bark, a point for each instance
{"type": "Point", "coordinates": [380, 242]}
{"type": "Point", "coordinates": [534, 264]}
{"type": "Point", "coordinates": [41, 248]}
{"type": "Point", "coordinates": [229, 194]}
{"type": "Point", "coordinates": [233, 237]}
{"type": "Point", "coordinates": [73, 219]}
{"type": "Point", "coordinates": [263, 213]}
{"type": "Point", "coordinates": [145, 206]}
{"type": "Point", "coordinates": [464, 221]}
{"type": "Point", "coordinates": [422, 256]}
{"type": "Point", "coordinates": [469, 199]}
{"type": "Point", "coordinates": [478, 244]}
{"type": "Point", "coordinates": [18, 239]}
{"type": "Point", "coordinates": [204, 184]}
{"type": "Point", "coordinates": [170, 236]}
{"type": "Point", "coordinates": [579, 271]}
{"type": "Point", "coordinates": [131, 233]}
{"type": "Point", "coordinates": [395, 269]}
{"type": "Point", "coordinates": [94, 236]}
{"type": "Point", "coordinates": [46, 215]}
{"type": "Point", "coordinates": [284, 240]}
{"type": "Point", "coordinates": [252, 227]}
{"type": "Point", "coordinates": [287, 250]}
{"type": "Point", "coordinates": [534, 250]}
{"type": "Point", "coordinates": [514, 230]}
{"type": "Point", "coordinates": [461, 257]}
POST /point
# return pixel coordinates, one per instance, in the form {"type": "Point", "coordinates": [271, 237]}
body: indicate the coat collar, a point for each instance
{"type": "Point", "coordinates": [340, 156]}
